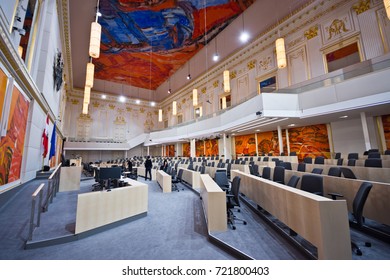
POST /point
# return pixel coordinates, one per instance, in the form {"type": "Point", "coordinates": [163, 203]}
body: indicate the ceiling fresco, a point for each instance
{"type": "Point", "coordinates": [145, 42]}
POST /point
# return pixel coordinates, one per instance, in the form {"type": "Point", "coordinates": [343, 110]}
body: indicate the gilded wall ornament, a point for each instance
{"type": "Point", "coordinates": [251, 64]}
{"type": "Point", "coordinates": [336, 28]}
{"type": "Point", "coordinates": [361, 7]}
{"type": "Point", "coordinates": [311, 33]}
{"type": "Point", "coordinates": [265, 63]}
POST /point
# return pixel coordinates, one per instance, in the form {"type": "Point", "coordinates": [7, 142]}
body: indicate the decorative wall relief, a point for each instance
{"type": "Point", "coordinates": [298, 66]}
{"type": "Point", "coordinates": [186, 150]}
{"type": "Point", "coordinates": [362, 6]}
{"type": "Point", "coordinates": [311, 33]}
{"type": "Point", "coordinates": [341, 26]}
{"type": "Point", "coordinates": [58, 66]}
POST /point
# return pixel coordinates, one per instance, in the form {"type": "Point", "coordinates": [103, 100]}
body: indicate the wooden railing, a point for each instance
{"type": "Point", "coordinates": [38, 194]}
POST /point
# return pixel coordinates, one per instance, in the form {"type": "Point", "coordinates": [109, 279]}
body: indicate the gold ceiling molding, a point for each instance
{"type": "Point", "coordinates": [361, 7]}
{"type": "Point", "coordinates": [312, 32]}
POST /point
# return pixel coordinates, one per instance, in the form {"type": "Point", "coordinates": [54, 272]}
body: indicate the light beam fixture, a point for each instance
{"type": "Point", "coordinates": [85, 108]}
{"type": "Point", "coordinates": [280, 53]}
{"type": "Point", "coordinates": [244, 37]}
{"type": "Point", "coordinates": [216, 54]}
{"type": "Point", "coordinates": [226, 81]}
{"type": "Point", "coordinates": [189, 75]}
{"type": "Point", "coordinates": [224, 102]}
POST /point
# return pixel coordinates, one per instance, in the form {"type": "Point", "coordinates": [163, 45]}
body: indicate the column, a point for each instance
{"type": "Point", "coordinates": [280, 140]}
{"type": "Point", "coordinates": [287, 143]}
{"type": "Point", "coordinates": [147, 150]}
{"type": "Point", "coordinates": [192, 148]}
{"type": "Point", "coordinates": [365, 131]}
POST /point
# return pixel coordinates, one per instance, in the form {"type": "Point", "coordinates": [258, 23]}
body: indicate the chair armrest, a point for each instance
{"type": "Point", "coordinates": [335, 195]}
{"type": "Point", "coordinates": [229, 195]}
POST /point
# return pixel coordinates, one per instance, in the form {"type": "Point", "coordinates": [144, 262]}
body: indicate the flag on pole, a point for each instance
{"type": "Point", "coordinates": [53, 143]}
{"type": "Point", "coordinates": [45, 137]}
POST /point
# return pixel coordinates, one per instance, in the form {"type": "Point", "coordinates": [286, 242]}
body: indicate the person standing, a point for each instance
{"type": "Point", "coordinates": [148, 168]}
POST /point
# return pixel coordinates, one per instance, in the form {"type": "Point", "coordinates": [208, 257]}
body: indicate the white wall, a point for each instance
{"type": "Point", "coordinates": [348, 136]}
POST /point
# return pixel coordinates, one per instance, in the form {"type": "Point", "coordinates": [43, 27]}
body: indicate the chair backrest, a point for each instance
{"type": "Point", "coordinates": [287, 165]}
{"type": "Point", "coordinates": [319, 160]}
{"type": "Point", "coordinates": [302, 167]}
{"type": "Point", "coordinates": [359, 201]}
{"type": "Point", "coordinates": [353, 156]}
{"type": "Point", "coordinates": [266, 174]}
{"type": "Point", "coordinates": [351, 162]}
{"type": "Point", "coordinates": [222, 165]}
{"type": "Point", "coordinates": [348, 173]}
{"type": "Point", "coordinates": [293, 153]}
{"type": "Point", "coordinates": [373, 162]}
{"type": "Point", "coordinates": [387, 152]}
{"type": "Point", "coordinates": [236, 190]}
{"type": "Point", "coordinates": [265, 158]}
{"type": "Point", "coordinates": [180, 174]}
{"type": "Point", "coordinates": [334, 171]}
{"type": "Point", "coordinates": [293, 182]}
{"type": "Point", "coordinates": [196, 168]}
{"type": "Point", "coordinates": [337, 156]}
{"type": "Point", "coordinates": [374, 155]}
{"type": "Point", "coordinates": [221, 179]}
{"type": "Point", "coordinates": [340, 161]}
{"type": "Point", "coordinates": [251, 170]}
{"type": "Point", "coordinates": [308, 160]}
{"type": "Point", "coordinates": [255, 169]}
{"type": "Point", "coordinates": [279, 174]}
{"type": "Point", "coordinates": [317, 171]}
{"type": "Point", "coordinates": [312, 183]}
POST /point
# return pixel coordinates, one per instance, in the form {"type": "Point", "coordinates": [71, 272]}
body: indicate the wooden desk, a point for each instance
{"type": "Point", "coordinates": [70, 178]}
{"type": "Point", "coordinates": [214, 204]}
{"type": "Point", "coordinates": [164, 180]}
{"type": "Point", "coordinates": [191, 177]}
{"type": "Point", "coordinates": [96, 209]}
{"type": "Point", "coordinates": [358, 162]}
{"type": "Point", "coordinates": [142, 170]}
{"type": "Point", "coordinates": [321, 221]}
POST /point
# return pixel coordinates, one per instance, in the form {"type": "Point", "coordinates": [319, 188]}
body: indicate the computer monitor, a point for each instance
{"type": "Point", "coordinates": [110, 173]}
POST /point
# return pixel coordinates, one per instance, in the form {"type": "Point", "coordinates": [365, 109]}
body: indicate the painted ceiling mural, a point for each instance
{"type": "Point", "coordinates": [143, 42]}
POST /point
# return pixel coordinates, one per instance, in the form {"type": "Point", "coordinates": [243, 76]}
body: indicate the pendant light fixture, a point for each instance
{"type": "Point", "coordinates": [96, 30]}
{"type": "Point", "coordinates": [226, 81]}
{"type": "Point", "coordinates": [387, 7]}
{"type": "Point", "coordinates": [244, 37]}
{"type": "Point", "coordinates": [160, 115]}
{"type": "Point", "coordinates": [87, 94]}
{"type": "Point", "coordinates": [174, 108]}
{"type": "Point", "coordinates": [280, 53]}
{"type": "Point", "coordinates": [90, 74]}
{"type": "Point", "coordinates": [224, 102]}
{"type": "Point", "coordinates": [195, 97]}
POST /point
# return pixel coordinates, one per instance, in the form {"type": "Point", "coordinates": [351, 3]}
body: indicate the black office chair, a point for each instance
{"type": "Point", "coordinates": [308, 160]}
{"type": "Point", "coordinates": [279, 174]}
{"type": "Point", "coordinates": [301, 167]}
{"type": "Point", "coordinates": [353, 156]}
{"type": "Point", "coordinates": [351, 162]}
{"type": "Point", "coordinates": [255, 169]}
{"type": "Point", "coordinates": [293, 182]}
{"type": "Point", "coordinates": [287, 165]}
{"type": "Point", "coordinates": [374, 155]}
{"type": "Point", "coordinates": [373, 162]}
{"type": "Point", "coordinates": [347, 173]}
{"type": "Point", "coordinates": [340, 161]}
{"type": "Point", "coordinates": [265, 158]}
{"type": "Point", "coordinates": [293, 153]}
{"type": "Point", "coordinates": [312, 183]}
{"type": "Point", "coordinates": [266, 174]}
{"type": "Point", "coordinates": [356, 218]}
{"type": "Point", "coordinates": [319, 160]}
{"type": "Point", "coordinates": [222, 180]}
{"type": "Point", "coordinates": [176, 179]}
{"type": "Point", "coordinates": [317, 171]}
{"type": "Point", "coordinates": [232, 201]}
{"type": "Point", "coordinates": [387, 152]}
{"type": "Point", "coordinates": [334, 171]}
{"type": "Point", "coordinates": [337, 156]}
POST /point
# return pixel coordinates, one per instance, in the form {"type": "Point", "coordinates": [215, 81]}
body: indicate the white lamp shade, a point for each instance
{"type": "Point", "coordinates": [226, 81]}
{"type": "Point", "coordinates": [387, 7]}
{"type": "Point", "coordinates": [224, 102]}
{"type": "Point", "coordinates": [94, 43]}
{"type": "Point", "coordinates": [85, 108]}
{"type": "Point", "coordinates": [87, 95]}
{"type": "Point", "coordinates": [174, 108]}
{"type": "Point", "coordinates": [195, 97]}
{"type": "Point", "coordinates": [89, 75]}
{"type": "Point", "coordinates": [280, 53]}
{"type": "Point", "coordinates": [20, 51]}
{"type": "Point", "coordinates": [160, 115]}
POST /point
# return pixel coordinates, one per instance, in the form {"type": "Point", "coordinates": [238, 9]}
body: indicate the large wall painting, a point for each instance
{"type": "Point", "coordinates": [267, 143]}
{"type": "Point", "coordinates": [309, 141]}
{"type": "Point", "coordinates": [186, 150]}
{"type": "Point", "coordinates": [12, 144]}
{"type": "Point", "coordinates": [170, 150]}
{"type": "Point", "coordinates": [386, 130]}
{"type": "Point", "coordinates": [199, 148]}
{"type": "Point", "coordinates": [245, 145]}
{"type": "Point", "coordinates": [211, 147]}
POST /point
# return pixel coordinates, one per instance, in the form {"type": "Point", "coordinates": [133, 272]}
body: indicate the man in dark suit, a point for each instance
{"type": "Point", "coordinates": [148, 168]}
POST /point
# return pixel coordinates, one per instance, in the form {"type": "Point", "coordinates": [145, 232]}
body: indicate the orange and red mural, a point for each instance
{"type": "Point", "coordinates": [170, 150]}
{"type": "Point", "coordinates": [267, 143]}
{"type": "Point", "coordinates": [309, 141]}
{"type": "Point", "coordinates": [199, 148]}
{"type": "Point", "coordinates": [386, 130]}
{"type": "Point", "coordinates": [245, 144]}
{"type": "Point", "coordinates": [12, 144]}
{"type": "Point", "coordinates": [211, 147]}
{"type": "Point", "coordinates": [186, 150]}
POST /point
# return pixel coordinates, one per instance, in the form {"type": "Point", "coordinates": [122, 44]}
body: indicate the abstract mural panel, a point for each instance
{"type": "Point", "coordinates": [170, 150]}
{"type": "Point", "coordinates": [386, 130]}
{"type": "Point", "coordinates": [186, 150]}
{"type": "Point", "coordinates": [12, 144]}
{"type": "Point", "coordinates": [309, 141]}
{"type": "Point", "coordinates": [267, 143]}
{"type": "Point", "coordinates": [245, 144]}
{"type": "Point", "coordinates": [144, 41]}
{"type": "Point", "coordinates": [199, 148]}
{"type": "Point", "coordinates": [211, 147]}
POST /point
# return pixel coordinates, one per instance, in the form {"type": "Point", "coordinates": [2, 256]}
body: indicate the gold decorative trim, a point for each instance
{"type": "Point", "coordinates": [216, 84]}
{"type": "Point", "coordinates": [111, 106]}
{"type": "Point", "coordinates": [251, 64]}
{"type": "Point", "coordinates": [311, 33]}
{"type": "Point", "coordinates": [95, 104]}
{"type": "Point", "coordinates": [233, 74]}
{"type": "Point", "coordinates": [75, 101]}
{"type": "Point", "coordinates": [361, 7]}
{"type": "Point", "coordinates": [120, 120]}
{"type": "Point", "coordinates": [203, 90]}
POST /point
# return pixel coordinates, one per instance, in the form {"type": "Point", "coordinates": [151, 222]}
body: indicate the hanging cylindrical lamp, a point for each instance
{"type": "Point", "coordinates": [90, 74]}
{"type": "Point", "coordinates": [226, 81]}
{"type": "Point", "coordinates": [174, 108]}
{"type": "Point", "coordinates": [280, 53]}
{"type": "Point", "coordinates": [87, 95]}
{"type": "Point", "coordinates": [85, 108]}
{"type": "Point", "coordinates": [94, 43]}
{"type": "Point", "coordinates": [195, 97]}
{"type": "Point", "coordinates": [387, 7]}
{"type": "Point", "coordinates": [20, 51]}
{"type": "Point", "coordinates": [160, 115]}
{"type": "Point", "coordinates": [224, 102]}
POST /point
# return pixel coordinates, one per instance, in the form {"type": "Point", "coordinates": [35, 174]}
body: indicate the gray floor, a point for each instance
{"type": "Point", "coordinates": [174, 228]}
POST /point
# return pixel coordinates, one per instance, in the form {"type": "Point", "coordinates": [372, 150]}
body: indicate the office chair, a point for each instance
{"type": "Point", "coordinates": [293, 153]}
{"type": "Point", "coordinates": [255, 169]}
{"type": "Point", "coordinates": [357, 219]}
{"type": "Point", "coordinates": [266, 174]}
{"type": "Point", "coordinates": [279, 174]}
{"type": "Point", "coordinates": [176, 179]}
{"type": "Point", "coordinates": [337, 156]}
{"type": "Point", "coordinates": [265, 158]}
{"type": "Point", "coordinates": [374, 155]}
{"type": "Point", "coordinates": [287, 165]}
{"type": "Point", "coordinates": [353, 156]}
{"type": "Point", "coordinates": [293, 182]}
{"type": "Point", "coordinates": [222, 180]}
{"type": "Point", "coordinates": [308, 160]}
{"type": "Point", "coordinates": [373, 162]}
{"type": "Point", "coordinates": [347, 173]}
{"type": "Point", "coordinates": [340, 161]}
{"type": "Point", "coordinates": [301, 167]}
{"type": "Point", "coordinates": [334, 171]}
{"type": "Point", "coordinates": [387, 152]}
{"type": "Point", "coordinates": [282, 154]}
{"type": "Point", "coordinates": [317, 171]}
{"type": "Point", "coordinates": [312, 183]}
{"type": "Point", "coordinates": [319, 160]}
{"type": "Point", "coordinates": [251, 169]}
{"type": "Point", "coordinates": [228, 168]}
{"type": "Point", "coordinates": [351, 162]}
{"type": "Point", "coordinates": [232, 201]}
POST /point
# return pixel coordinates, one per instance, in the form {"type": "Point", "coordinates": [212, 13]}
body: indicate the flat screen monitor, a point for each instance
{"type": "Point", "coordinates": [110, 173]}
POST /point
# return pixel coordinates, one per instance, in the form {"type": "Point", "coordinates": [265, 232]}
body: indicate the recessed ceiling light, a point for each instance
{"type": "Point", "coordinates": [344, 117]}
{"type": "Point", "coordinates": [122, 99]}
{"type": "Point", "coordinates": [152, 103]}
{"type": "Point", "coordinates": [244, 37]}
{"type": "Point", "coordinates": [216, 57]}
{"type": "Point", "coordinates": [104, 96]}
{"type": "Point", "coordinates": [137, 101]}
{"type": "Point", "coordinates": [257, 130]}
{"type": "Point", "coordinates": [293, 124]}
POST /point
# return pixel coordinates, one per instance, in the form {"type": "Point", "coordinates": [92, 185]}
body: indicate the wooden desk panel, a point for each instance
{"type": "Point", "coordinates": [142, 170]}
{"type": "Point", "coordinates": [165, 181]}
{"type": "Point", "coordinates": [214, 204]}
{"type": "Point", "coordinates": [96, 209]}
{"type": "Point", "coordinates": [321, 221]}
{"type": "Point", "coordinates": [191, 177]}
{"type": "Point", "coordinates": [70, 178]}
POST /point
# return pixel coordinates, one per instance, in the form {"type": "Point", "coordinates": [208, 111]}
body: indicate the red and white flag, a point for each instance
{"type": "Point", "coordinates": [45, 138]}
